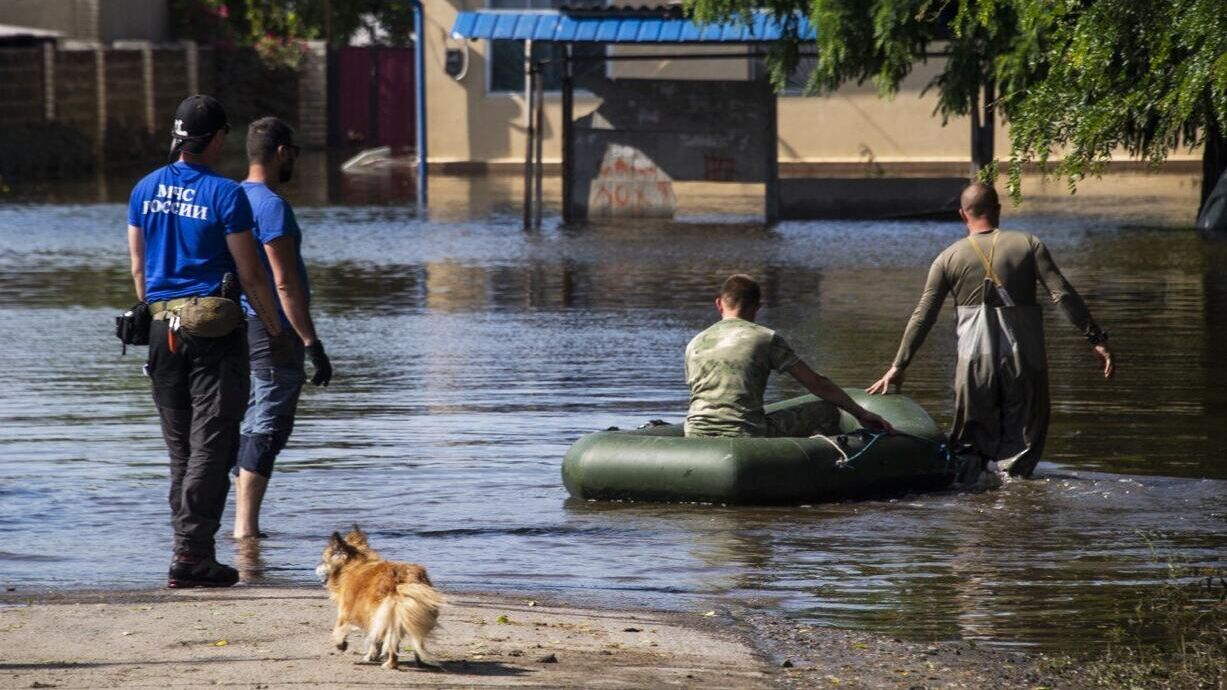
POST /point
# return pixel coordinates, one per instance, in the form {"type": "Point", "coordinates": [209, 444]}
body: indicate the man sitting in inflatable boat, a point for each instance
{"type": "Point", "coordinates": [727, 367]}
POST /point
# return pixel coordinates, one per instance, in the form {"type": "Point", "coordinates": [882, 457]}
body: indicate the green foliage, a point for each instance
{"type": "Point", "coordinates": [1146, 76]}
{"type": "Point", "coordinates": [278, 28]}
{"type": "Point", "coordinates": [989, 174]}
{"type": "Point", "coordinates": [1081, 79]}
{"type": "Point", "coordinates": [881, 41]}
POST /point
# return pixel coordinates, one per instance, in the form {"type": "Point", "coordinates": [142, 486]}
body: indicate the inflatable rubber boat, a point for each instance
{"type": "Point", "coordinates": [658, 462]}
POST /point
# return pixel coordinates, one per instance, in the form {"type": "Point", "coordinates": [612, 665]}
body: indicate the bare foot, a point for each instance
{"type": "Point", "coordinates": [250, 535]}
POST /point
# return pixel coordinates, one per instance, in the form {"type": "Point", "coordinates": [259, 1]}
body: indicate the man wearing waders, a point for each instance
{"type": "Point", "coordinates": [275, 382]}
{"type": "Point", "coordinates": [187, 228]}
{"type": "Point", "coordinates": [1001, 379]}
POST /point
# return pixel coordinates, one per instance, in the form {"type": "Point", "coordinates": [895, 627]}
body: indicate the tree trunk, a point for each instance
{"type": "Point", "coordinates": [1213, 158]}
{"type": "Point", "coordinates": [983, 129]}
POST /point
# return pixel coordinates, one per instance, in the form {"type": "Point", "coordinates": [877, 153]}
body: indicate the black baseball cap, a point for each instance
{"type": "Point", "coordinates": [197, 119]}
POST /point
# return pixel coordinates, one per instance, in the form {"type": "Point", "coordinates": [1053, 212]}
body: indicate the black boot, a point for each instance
{"type": "Point", "coordinates": [188, 570]}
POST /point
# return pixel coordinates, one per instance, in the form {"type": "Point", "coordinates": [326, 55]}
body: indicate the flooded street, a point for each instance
{"type": "Point", "coordinates": [470, 354]}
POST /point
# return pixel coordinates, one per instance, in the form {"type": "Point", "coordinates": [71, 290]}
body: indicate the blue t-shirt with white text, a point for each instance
{"type": "Point", "coordinates": [185, 211]}
{"type": "Point", "coordinates": [274, 219]}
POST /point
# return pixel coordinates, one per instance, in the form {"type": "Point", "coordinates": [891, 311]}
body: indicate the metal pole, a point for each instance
{"type": "Point", "coordinates": [773, 157]}
{"type": "Point", "coordinates": [539, 128]}
{"type": "Point", "coordinates": [567, 132]}
{"type": "Point", "coordinates": [419, 77]}
{"type": "Point", "coordinates": [529, 76]}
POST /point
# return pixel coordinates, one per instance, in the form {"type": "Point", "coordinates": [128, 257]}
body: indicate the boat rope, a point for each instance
{"type": "Point", "coordinates": [942, 449]}
{"type": "Point", "coordinates": [861, 452]}
{"type": "Point", "coordinates": [843, 456]}
{"type": "Point", "coordinates": [845, 461]}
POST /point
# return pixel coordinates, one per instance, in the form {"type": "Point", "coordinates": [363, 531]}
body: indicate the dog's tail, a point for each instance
{"type": "Point", "coordinates": [416, 612]}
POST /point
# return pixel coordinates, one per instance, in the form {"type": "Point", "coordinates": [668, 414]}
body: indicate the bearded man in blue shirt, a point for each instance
{"type": "Point", "coordinates": [275, 381]}
{"type": "Point", "coordinates": [187, 228]}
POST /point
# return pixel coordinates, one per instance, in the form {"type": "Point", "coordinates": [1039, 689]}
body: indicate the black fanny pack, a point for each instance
{"type": "Point", "coordinates": [132, 326]}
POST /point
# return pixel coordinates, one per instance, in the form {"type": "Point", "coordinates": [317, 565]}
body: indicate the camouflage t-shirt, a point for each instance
{"type": "Point", "coordinates": [727, 367]}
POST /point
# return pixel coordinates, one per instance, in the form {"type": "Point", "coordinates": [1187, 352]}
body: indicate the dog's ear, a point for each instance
{"type": "Point", "coordinates": [339, 545]}
{"type": "Point", "coordinates": [357, 537]}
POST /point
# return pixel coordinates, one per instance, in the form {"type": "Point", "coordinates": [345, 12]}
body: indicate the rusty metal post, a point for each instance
{"type": "Point", "coordinates": [539, 128]}
{"type": "Point", "coordinates": [529, 91]}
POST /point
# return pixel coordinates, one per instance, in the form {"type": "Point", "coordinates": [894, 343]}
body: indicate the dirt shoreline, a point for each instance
{"type": "Point", "coordinates": [270, 637]}
{"type": "Point", "coordinates": [278, 637]}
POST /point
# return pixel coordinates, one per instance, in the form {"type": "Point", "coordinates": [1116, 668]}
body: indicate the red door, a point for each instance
{"type": "Point", "coordinates": [374, 97]}
{"type": "Point", "coordinates": [396, 97]}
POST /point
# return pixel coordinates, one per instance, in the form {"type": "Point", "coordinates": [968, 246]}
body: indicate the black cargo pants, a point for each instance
{"type": "Point", "coordinates": [200, 391]}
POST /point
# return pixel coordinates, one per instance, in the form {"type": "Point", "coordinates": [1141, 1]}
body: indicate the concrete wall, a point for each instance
{"type": "Point", "coordinates": [146, 20]}
{"type": "Point", "coordinates": [76, 89]}
{"type": "Point", "coordinates": [74, 18]}
{"type": "Point", "coordinates": [855, 125]}
{"type": "Point", "coordinates": [92, 20]}
{"type": "Point", "coordinates": [21, 86]}
{"type": "Point", "coordinates": [313, 96]}
{"type": "Point", "coordinates": [126, 94]}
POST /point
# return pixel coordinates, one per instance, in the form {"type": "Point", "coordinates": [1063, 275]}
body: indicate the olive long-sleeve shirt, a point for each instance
{"type": "Point", "coordinates": [1020, 260]}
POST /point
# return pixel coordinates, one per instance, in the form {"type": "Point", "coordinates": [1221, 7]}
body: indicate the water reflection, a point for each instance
{"type": "Point", "coordinates": [249, 560]}
{"type": "Point", "coordinates": [471, 354]}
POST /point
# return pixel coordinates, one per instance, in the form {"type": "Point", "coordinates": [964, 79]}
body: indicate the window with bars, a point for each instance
{"type": "Point", "coordinates": [507, 57]}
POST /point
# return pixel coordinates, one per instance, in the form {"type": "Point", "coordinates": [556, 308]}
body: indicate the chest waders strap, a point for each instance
{"type": "Point", "coordinates": [990, 274]}
{"type": "Point", "coordinates": [988, 260]}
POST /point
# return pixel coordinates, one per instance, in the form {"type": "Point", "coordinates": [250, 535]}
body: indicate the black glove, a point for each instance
{"type": "Point", "coordinates": [321, 363]}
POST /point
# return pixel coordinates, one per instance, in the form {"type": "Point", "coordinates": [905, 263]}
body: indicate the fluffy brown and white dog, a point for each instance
{"type": "Point", "coordinates": [388, 600]}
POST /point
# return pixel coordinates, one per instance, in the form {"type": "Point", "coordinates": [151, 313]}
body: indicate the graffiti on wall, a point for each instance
{"type": "Point", "coordinates": [647, 134]}
{"type": "Point", "coordinates": [630, 185]}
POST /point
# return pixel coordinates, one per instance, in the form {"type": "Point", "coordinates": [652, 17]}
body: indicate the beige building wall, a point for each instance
{"type": "Point", "coordinates": [855, 125]}
{"type": "Point", "coordinates": [470, 127]}
{"type": "Point", "coordinates": [466, 123]}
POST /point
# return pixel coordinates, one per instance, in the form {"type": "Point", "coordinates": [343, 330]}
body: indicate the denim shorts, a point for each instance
{"type": "Point", "coordinates": [274, 396]}
{"type": "Point", "coordinates": [270, 416]}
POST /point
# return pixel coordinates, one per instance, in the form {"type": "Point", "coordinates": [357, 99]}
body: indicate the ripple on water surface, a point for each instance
{"type": "Point", "coordinates": [470, 355]}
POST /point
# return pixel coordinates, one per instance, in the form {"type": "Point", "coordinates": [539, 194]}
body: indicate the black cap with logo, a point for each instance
{"type": "Point", "coordinates": [197, 119]}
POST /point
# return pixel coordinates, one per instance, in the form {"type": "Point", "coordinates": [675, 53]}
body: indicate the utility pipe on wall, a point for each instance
{"type": "Point", "coordinates": [419, 105]}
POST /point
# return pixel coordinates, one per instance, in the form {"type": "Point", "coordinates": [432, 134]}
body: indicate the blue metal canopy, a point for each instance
{"type": "Point", "coordinates": [616, 27]}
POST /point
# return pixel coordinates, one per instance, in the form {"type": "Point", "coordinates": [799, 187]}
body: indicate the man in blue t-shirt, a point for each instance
{"type": "Point", "coordinates": [276, 381]}
{"type": "Point", "coordinates": [187, 228]}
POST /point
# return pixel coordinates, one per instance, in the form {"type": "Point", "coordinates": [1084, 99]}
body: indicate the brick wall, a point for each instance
{"type": "Point", "coordinates": [125, 87]}
{"type": "Point", "coordinates": [76, 90]}
{"type": "Point", "coordinates": [141, 84]}
{"type": "Point", "coordinates": [170, 85]}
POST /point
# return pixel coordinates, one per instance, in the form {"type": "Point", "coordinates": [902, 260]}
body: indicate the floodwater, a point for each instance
{"type": "Point", "coordinates": [470, 354]}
